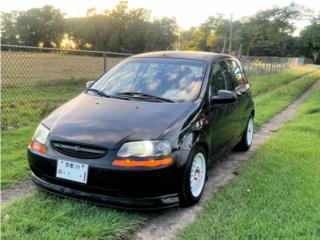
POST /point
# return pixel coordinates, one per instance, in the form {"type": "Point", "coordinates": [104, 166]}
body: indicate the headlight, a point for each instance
{"type": "Point", "coordinates": [145, 149]}
{"type": "Point", "coordinates": [41, 134]}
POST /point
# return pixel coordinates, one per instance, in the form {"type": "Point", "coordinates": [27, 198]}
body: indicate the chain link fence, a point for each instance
{"type": "Point", "coordinates": [37, 80]}
{"type": "Point", "coordinates": [261, 66]}
{"type": "Point", "coordinates": [34, 81]}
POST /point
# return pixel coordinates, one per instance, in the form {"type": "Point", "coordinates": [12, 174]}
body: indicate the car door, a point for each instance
{"type": "Point", "coordinates": [242, 92]}
{"type": "Point", "coordinates": [221, 115]}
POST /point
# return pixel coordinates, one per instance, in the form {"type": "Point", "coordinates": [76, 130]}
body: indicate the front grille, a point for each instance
{"type": "Point", "coordinates": [79, 150]}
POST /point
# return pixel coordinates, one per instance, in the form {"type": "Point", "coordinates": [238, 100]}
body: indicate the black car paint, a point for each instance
{"type": "Point", "coordinates": [108, 122]}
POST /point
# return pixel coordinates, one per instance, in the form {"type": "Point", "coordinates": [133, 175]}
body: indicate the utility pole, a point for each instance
{"type": "Point", "coordinates": [224, 43]}
{"type": "Point", "coordinates": [230, 39]}
{"type": "Point", "coordinates": [240, 48]}
{"type": "Point", "coordinates": [180, 40]}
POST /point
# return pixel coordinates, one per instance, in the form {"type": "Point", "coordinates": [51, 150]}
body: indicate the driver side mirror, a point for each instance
{"type": "Point", "coordinates": [89, 84]}
{"type": "Point", "coordinates": [224, 96]}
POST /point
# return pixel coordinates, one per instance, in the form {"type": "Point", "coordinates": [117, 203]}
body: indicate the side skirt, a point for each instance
{"type": "Point", "coordinates": [218, 156]}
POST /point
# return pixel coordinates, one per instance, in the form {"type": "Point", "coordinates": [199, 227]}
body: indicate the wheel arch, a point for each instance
{"type": "Point", "coordinates": [252, 113]}
{"type": "Point", "coordinates": [205, 146]}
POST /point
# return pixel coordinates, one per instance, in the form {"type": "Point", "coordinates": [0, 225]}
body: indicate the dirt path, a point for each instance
{"type": "Point", "coordinates": [20, 190]}
{"type": "Point", "coordinates": [166, 225]}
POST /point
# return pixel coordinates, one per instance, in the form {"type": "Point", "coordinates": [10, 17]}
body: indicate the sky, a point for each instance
{"type": "Point", "coordinates": [187, 12]}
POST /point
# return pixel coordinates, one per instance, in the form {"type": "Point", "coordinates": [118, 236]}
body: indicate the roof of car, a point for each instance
{"type": "Point", "coordinates": [203, 56]}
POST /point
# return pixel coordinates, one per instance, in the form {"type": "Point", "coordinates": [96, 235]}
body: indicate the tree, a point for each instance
{"type": "Point", "coordinates": [204, 37]}
{"type": "Point", "coordinates": [9, 34]}
{"type": "Point", "coordinates": [123, 29]}
{"type": "Point", "coordinates": [310, 37]}
{"type": "Point", "coordinates": [34, 27]}
{"type": "Point", "coordinates": [268, 32]}
{"type": "Point", "coordinates": [187, 39]}
{"type": "Point", "coordinates": [272, 29]}
{"type": "Point", "coordinates": [161, 34]}
{"type": "Point", "coordinates": [136, 25]}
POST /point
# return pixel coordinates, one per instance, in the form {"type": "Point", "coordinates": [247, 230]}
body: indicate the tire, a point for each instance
{"type": "Point", "coordinates": [195, 173]}
{"type": "Point", "coordinates": [247, 138]}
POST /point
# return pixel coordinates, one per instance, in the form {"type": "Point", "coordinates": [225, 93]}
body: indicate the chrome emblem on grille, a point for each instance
{"type": "Point", "coordinates": [77, 148]}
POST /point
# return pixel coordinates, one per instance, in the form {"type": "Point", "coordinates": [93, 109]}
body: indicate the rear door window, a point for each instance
{"type": "Point", "coordinates": [236, 73]}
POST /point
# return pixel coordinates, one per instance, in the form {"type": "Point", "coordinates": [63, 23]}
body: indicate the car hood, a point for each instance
{"type": "Point", "coordinates": [109, 122]}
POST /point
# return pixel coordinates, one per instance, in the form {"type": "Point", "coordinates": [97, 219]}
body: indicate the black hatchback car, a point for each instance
{"type": "Point", "coordinates": [144, 134]}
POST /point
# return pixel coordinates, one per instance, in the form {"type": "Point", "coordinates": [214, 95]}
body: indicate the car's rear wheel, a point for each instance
{"type": "Point", "coordinates": [247, 137]}
{"type": "Point", "coordinates": [194, 177]}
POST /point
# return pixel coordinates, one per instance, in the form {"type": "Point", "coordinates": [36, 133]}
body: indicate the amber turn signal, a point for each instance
{"type": "Point", "coordinates": [142, 163]}
{"type": "Point", "coordinates": [36, 146]}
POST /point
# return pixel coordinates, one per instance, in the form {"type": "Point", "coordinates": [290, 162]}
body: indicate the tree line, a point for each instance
{"type": "Point", "coordinates": [266, 33]}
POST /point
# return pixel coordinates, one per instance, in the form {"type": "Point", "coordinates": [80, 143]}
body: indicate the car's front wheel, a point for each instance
{"type": "Point", "coordinates": [194, 177]}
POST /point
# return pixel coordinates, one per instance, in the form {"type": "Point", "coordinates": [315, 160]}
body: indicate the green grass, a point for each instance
{"type": "Point", "coordinates": [21, 69]}
{"type": "Point", "coordinates": [267, 83]}
{"type": "Point", "coordinates": [26, 106]}
{"type": "Point", "coordinates": [35, 83]}
{"type": "Point", "coordinates": [40, 216]}
{"type": "Point", "coordinates": [14, 165]}
{"type": "Point", "coordinates": [283, 179]}
{"type": "Point", "coordinates": [268, 105]}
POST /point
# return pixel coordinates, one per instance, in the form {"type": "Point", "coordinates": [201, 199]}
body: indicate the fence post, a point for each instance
{"type": "Point", "coordinates": [265, 66]}
{"type": "Point", "coordinates": [250, 66]}
{"type": "Point", "coordinates": [104, 62]}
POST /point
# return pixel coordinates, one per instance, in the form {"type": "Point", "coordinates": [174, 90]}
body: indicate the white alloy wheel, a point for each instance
{"type": "Point", "coordinates": [249, 132]}
{"type": "Point", "coordinates": [197, 174]}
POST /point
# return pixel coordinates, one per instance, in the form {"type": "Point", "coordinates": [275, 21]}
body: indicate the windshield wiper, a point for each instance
{"type": "Point", "coordinates": [103, 94]}
{"type": "Point", "coordinates": [99, 92]}
{"type": "Point", "coordinates": [143, 96]}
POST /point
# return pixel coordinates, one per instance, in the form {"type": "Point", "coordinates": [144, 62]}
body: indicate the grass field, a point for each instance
{"type": "Point", "coordinates": [266, 83]}
{"type": "Point", "coordinates": [276, 195]}
{"type": "Point", "coordinates": [41, 216]}
{"type": "Point", "coordinates": [33, 84]}
{"type": "Point", "coordinates": [26, 106]}
{"type": "Point", "coordinates": [14, 166]}
{"type": "Point", "coordinates": [21, 69]}
{"type": "Point", "coordinates": [273, 102]}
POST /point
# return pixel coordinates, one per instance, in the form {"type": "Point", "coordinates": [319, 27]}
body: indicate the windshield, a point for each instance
{"type": "Point", "coordinates": [179, 80]}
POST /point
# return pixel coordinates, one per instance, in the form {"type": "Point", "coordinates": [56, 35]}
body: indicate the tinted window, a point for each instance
{"type": "Point", "coordinates": [220, 78]}
{"type": "Point", "coordinates": [175, 79]}
{"type": "Point", "coordinates": [235, 72]}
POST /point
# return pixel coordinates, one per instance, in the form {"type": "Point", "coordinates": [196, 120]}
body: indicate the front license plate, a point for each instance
{"type": "Point", "coordinates": [77, 172]}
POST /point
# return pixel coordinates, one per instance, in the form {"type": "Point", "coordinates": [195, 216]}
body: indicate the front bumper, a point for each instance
{"type": "Point", "coordinates": [122, 188]}
{"type": "Point", "coordinates": [131, 203]}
